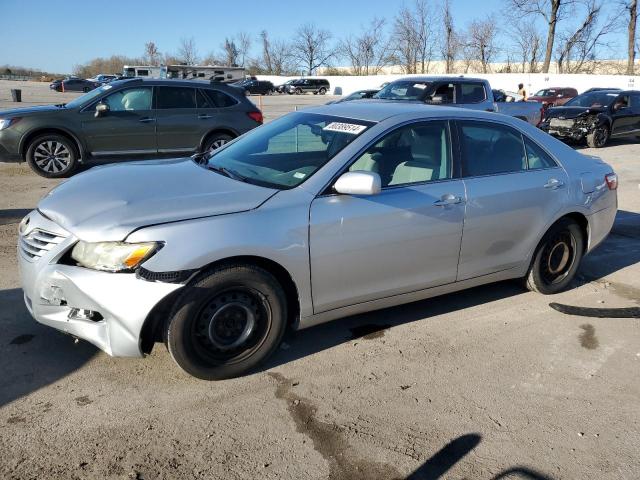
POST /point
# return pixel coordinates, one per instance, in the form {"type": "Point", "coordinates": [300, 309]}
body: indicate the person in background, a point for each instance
{"type": "Point", "coordinates": [522, 91]}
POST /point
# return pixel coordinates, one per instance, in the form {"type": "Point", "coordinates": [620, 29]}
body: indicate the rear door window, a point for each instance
{"type": "Point", "coordinates": [490, 148]}
{"type": "Point", "coordinates": [471, 93]}
{"type": "Point", "coordinates": [176, 97]}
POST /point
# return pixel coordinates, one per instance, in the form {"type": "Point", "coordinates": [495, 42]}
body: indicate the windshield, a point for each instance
{"type": "Point", "coordinates": [284, 153]}
{"type": "Point", "coordinates": [88, 97]}
{"type": "Point", "coordinates": [592, 99]}
{"type": "Point", "coordinates": [403, 90]}
{"type": "Point", "coordinates": [545, 93]}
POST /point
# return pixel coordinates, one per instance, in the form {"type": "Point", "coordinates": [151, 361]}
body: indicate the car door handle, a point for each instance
{"type": "Point", "coordinates": [553, 184]}
{"type": "Point", "coordinates": [147, 119]}
{"type": "Point", "coordinates": [204, 116]}
{"type": "Point", "coordinates": [448, 199]}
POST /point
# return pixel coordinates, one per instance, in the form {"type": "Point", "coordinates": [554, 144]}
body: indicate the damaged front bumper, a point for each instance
{"type": "Point", "coordinates": [572, 129]}
{"type": "Point", "coordinates": [106, 309]}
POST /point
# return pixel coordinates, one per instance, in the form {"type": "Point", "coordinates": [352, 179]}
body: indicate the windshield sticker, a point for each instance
{"type": "Point", "coordinates": [107, 87]}
{"type": "Point", "coordinates": [612, 94]}
{"type": "Point", "coordinates": [352, 128]}
{"type": "Point", "coordinates": [421, 86]}
{"type": "Point", "coordinates": [299, 175]}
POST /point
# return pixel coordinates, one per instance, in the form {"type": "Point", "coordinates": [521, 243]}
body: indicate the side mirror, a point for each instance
{"type": "Point", "coordinates": [358, 183]}
{"type": "Point", "coordinates": [101, 109]}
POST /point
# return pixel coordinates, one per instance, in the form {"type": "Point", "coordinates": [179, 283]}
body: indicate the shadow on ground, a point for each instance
{"type": "Point", "coordinates": [33, 355]}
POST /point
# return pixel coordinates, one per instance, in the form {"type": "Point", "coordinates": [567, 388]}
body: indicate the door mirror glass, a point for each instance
{"type": "Point", "coordinates": [101, 109]}
{"type": "Point", "coordinates": [358, 183]}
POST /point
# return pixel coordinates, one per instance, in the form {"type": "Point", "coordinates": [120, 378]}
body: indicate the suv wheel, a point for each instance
{"type": "Point", "coordinates": [598, 137]}
{"type": "Point", "coordinates": [322, 91]}
{"type": "Point", "coordinates": [298, 91]}
{"type": "Point", "coordinates": [556, 259]}
{"type": "Point", "coordinates": [216, 141]}
{"type": "Point", "coordinates": [52, 156]}
{"type": "Point", "coordinates": [227, 322]}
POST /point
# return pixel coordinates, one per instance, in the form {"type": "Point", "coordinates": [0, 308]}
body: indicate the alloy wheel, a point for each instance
{"type": "Point", "coordinates": [52, 156]}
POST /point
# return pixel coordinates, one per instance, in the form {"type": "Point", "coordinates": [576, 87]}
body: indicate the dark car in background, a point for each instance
{"type": "Point", "coordinates": [73, 85]}
{"type": "Point", "coordinates": [282, 88]}
{"type": "Point", "coordinates": [595, 117]}
{"type": "Point", "coordinates": [256, 87]}
{"type": "Point", "coordinates": [305, 85]}
{"type": "Point", "coordinates": [553, 97]}
{"type": "Point", "coordinates": [127, 119]}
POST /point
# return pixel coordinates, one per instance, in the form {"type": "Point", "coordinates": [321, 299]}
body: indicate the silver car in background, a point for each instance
{"type": "Point", "coordinates": [324, 213]}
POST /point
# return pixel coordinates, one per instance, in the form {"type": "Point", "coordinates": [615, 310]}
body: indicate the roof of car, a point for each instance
{"type": "Point", "coordinates": [373, 110]}
{"type": "Point", "coordinates": [169, 81]}
{"type": "Point", "coordinates": [440, 78]}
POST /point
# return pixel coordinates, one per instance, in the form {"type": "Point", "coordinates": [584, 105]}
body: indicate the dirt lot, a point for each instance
{"type": "Point", "coordinates": [489, 383]}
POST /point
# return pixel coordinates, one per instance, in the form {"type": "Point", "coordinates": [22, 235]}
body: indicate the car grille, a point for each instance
{"type": "Point", "coordinates": [38, 242]}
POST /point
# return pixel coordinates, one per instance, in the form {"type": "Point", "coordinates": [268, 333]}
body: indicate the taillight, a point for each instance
{"type": "Point", "coordinates": [256, 116]}
{"type": "Point", "coordinates": [612, 181]}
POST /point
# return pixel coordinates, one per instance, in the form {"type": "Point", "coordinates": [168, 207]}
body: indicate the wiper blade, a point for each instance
{"type": "Point", "coordinates": [227, 173]}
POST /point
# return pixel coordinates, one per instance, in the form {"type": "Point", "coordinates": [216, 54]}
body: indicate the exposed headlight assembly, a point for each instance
{"type": "Point", "coordinates": [113, 256]}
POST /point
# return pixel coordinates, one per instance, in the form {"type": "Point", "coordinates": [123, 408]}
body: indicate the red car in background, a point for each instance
{"type": "Point", "coordinates": [554, 97]}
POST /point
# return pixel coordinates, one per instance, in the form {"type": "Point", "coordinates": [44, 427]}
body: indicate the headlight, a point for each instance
{"type": "Point", "coordinates": [113, 256]}
{"type": "Point", "coordinates": [5, 122]}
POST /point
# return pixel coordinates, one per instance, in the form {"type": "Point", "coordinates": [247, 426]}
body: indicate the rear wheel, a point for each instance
{"type": "Point", "coordinates": [556, 259]}
{"type": "Point", "coordinates": [216, 140]}
{"type": "Point", "coordinates": [227, 322]}
{"type": "Point", "coordinates": [598, 137]}
{"type": "Point", "coordinates": [52, 156]}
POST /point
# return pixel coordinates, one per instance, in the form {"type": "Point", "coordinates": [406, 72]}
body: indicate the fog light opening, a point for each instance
{"type": "Point", "coordinates": [53, 295]}
{"type": "Point", "coordinates": [84, 314]}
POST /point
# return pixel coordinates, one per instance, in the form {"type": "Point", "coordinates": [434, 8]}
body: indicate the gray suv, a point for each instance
{"type": "Point", "coordinates": [136, 118]}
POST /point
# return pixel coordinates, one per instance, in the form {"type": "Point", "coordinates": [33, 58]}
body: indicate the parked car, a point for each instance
{"type": "Point", "coordinates": [595, 117]}
{"type": "Point", "coordinates": [257, 87]}
{"type": "Point", "coordinates": [282, 88]}
{"type": "Point", "coordinates": [474, 93]}
{"type": "Point", "coordinates": [553, 97]}
{"type": "Point", "coordinates": [73, 85]}
{"type": "Point", "coordinates": [357, 95]}
{"type": "Point", "coordinates": [599, 89]}
{"type": "Point", "coordinates": [500, 95]}
{"type": "Point", "coordinates": [136, 118]}
{"type": "Point", "coordinates": [320, 214]}
{"type": "Point", "coordinates": [313, 85]}
{"type": "Point", "coordinates": [103, 78]}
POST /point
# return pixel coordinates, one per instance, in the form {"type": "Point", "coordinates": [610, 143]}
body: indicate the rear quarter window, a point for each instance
{"type": "Point", "coordinates": [220, 99]}
{"type": "Point", "coordinates": [472, 93]}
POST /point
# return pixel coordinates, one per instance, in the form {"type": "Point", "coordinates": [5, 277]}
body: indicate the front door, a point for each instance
{"type": "Point", "coordinates": [623, 117]}
{"type": "Point", "coordinates": [404, 239]}
{"type": "Point", "coordinates": [514, 189]}
{"type": "Point", "coordinates": [180, 129]}
{"type": "Point", "coordinates": [128, 128]}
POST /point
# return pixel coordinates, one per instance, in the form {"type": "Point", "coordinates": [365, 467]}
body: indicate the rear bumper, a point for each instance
{"type": "Point", "coordinates": [54, 295]}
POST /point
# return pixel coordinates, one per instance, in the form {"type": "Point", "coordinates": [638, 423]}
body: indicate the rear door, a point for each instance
{"type": "Point", "coordinates": [622, 116]}
{"type": "Point", "coordinates": [473, 95]}
{"type": "Point", "coordinates": [514, 189]}
{"type": "Point", "coordinates": [128, 128]}
{"type": "Point", "coordinates": [178, 127]}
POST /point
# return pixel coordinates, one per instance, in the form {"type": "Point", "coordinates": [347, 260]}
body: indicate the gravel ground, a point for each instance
{"type": "Point", "coordinates": [488, 383]}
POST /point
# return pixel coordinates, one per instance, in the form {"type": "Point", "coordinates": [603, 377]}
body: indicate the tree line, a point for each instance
{"type": "Point", "coordinates": [526, 36]}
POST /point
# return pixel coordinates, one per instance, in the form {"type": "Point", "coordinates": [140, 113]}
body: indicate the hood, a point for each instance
{"type": "Point", "coordinates": [109, 202]}
{"type": "Point", "coordinates": [539, 98]}
{"type": "Point", "coordinates": [21, 112]}
{"type": "Point", "coordinates": [572, 112]}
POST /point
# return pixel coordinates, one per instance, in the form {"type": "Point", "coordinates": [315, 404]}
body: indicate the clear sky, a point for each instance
{"type": "Point", "coordinates": [55, 35]}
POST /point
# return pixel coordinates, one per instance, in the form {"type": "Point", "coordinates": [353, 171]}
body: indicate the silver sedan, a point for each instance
{"type": "Point", "coordinates": [323, 213]}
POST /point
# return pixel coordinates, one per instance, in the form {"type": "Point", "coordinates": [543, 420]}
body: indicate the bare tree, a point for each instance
{"type": "Point", "coordinates": [311, 47]}
{"type": "Point", "coordinates": [367, 52]}
{"type": "Point", "coordinates": [414, 37]}
{"type": "Point", "coordinates": [481, 41]}
{"type": "Point", "coordinates": [276, 59]}
{"type": "Point", "coordinates": [552, 11]}
{"type": "Point", "coordinates": [631, 9]}
{"type": "Point", "coordinates": [243, 44]}
{"type": "Point", "coordinates": [450, 41]}
{"type": "Point", "coordinates": [151, 54]}
{"type": "Point", "coordinates": [528, 45]}
{"type": "Point", "coordinates": [266, 52]}
{"type": "Point", "coordinates": [187, 51]}
{"type": "Point", "coordinates": [230, 52]}
{"type": "Point", "coordinates": [577, 49]}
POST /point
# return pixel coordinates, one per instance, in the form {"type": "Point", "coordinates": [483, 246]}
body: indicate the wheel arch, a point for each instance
{"type": "Point", "coordinates": [27, 138]}
{"type": "Point", "coordinates": [152, 328]}
{"type": "Point", "coordinates": [577, 217]}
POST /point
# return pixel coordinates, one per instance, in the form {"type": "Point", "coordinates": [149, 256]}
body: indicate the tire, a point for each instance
{"type": "Point", "coordinates": [85, 89]}
{"type": "Point", "coordinates": [251, 312]}
{"type": "Point", "coordinates": [216, 140]}
{"type": "Point", "coordinates": [298, 91]}
{"type": "Point", "coordinates": [599, 137]}
{"type": "Point", "coordinates": [322, 91]}
{"type": "Point", "coordinates": [557, 258]}
{"type": "Point", "coordinates": [52, 156]}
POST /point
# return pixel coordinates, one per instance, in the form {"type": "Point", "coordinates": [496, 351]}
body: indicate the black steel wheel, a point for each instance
{"type": "Point", "coordinates": [557, 258]}
{"type": "Point", "coordinates": [227, 322]}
